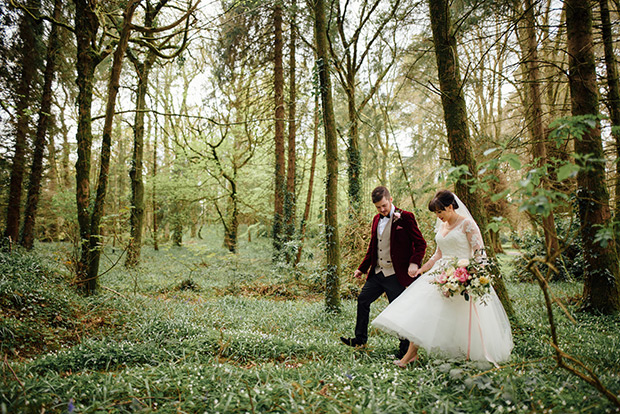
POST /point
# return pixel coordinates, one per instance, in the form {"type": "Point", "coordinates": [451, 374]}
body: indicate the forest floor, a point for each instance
{"type": "Point", "coordinates": [196, 329]}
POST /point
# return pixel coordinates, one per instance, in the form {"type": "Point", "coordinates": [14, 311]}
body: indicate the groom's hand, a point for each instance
{"type": "Point", "coordinates": [413, 270]}
{"type": "Point", "coordinates": [357, 274]}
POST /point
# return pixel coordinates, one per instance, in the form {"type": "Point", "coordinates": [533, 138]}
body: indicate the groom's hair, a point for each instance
{"type": "Point", "coordinates": [442, 199]}
{"type": "Point", "coordinates": [380, 192]}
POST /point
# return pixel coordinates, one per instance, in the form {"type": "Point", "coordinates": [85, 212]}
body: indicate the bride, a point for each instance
{"type": "Point", "coordinates": [452, 326]}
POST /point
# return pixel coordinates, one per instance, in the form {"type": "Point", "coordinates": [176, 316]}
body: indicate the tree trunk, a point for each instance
{"type": "Point", "coordinates": [601, 291]}
{"type": "Point", "coordinates": [535, 123]}
{"type": "Point", "coordinates": [28, 32]}
{"type": "Point", "coordinates": [232, 228]}
{"type": "Point", "coordinates": [348, 70]}
{"type": "Point", "coordinates": [136, 217]}
{"type": "Point", "coordinates": [94, 253]}
{"type": "Point", "coordinates": [278, 218]}
{"type": "Point", "coordinates": [66, 150]}
{"type": "Point", "coordinates": [455, 116]}
{"type": "Point", "coordinates": [315, 143]}
{"type": "Point", "coordinates": [332, 278]}
{"type": "Point", "coordinates": [177, 224]}
{"type": "Point", "coordinates": [36, 172]}
{"type": "Point", "coordinates": [291, 169]}
{"type": "Point", "coordinates": [86, 26]}
{"type": "Point", "coordinates": [154, 191]}
{"type": "Point", "coordinates": [354, 154]}
{"type": "Point", "coordinates": [613, 91]}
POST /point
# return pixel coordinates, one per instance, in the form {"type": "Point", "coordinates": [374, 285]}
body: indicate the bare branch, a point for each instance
{"type": "Point", "coordinates": [41, 17]}
{"type": "Point", "coordinates": [151, 30]}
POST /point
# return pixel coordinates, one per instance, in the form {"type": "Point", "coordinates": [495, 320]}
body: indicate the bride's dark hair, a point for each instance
{"type": "Point", "coordinates": [442, 199]}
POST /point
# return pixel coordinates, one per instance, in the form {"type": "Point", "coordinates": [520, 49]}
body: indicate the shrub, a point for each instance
{"type": "Point", "coordinates": [570, 264]}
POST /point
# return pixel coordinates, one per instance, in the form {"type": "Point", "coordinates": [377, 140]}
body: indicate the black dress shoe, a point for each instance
{"type": "Point", "coordinates": [351, 341]}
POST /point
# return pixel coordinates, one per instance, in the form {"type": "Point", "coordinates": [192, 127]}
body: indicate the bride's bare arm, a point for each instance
{"type": "Point", "coordinates": [429, 264]}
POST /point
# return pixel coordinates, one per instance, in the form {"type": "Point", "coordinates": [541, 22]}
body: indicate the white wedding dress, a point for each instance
{"type": "Point", "coordinates": [453, 326]}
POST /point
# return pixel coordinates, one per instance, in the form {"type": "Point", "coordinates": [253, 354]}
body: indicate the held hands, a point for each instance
{"type": "Point", "coordinates": [413, 270]}
{"type": "Point", "coordinates": [357, 274]}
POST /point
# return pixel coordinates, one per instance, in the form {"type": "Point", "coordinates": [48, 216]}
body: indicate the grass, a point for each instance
{"type": "Point", "coordinates": [196, 329]}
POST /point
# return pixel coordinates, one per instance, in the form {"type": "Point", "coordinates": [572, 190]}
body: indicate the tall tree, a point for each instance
{"type": "Point", "coordinates": [143, 69]}
{"type": "Point", "coordinates": [613, 90]}
{"type": "Point", "coordinates": [535, 112]}
{"type": "Point", "coordinates": [455, 118]}
{"type": "Point", "coordinates": [233, 139]}
{"type": "Point", "coordinates": [278, 83]}
{"type": "Point", "coordinates": [348, 66]}
{"type": "Point", "coordinates": [332, 274]}
{"type": "Point", "coordinates": [154, 205]}
{"type": "Point", "coordinates": [86, 19]}
{"type": "Point", "coordinates": [36, 171]}
{"type": "Point", "coordinates": [601, 292]}
{"type": "Point", "coordinates": [29, 32]}
{"type": "Point", "coordinates": [291, 169]}
{"type": "Point", "coordinates": [315, 143]}
{"type": "Point", "coordinates": [88, 57]}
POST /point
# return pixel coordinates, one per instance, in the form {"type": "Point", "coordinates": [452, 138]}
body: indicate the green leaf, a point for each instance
{"type": "Point", "coordinates": [499, 196]}
{"type": "Point", "coordinates": [490, 151]}
{"type": "Point", "coordinates": [567, 171]}
{"type": "Point", "coordinates": [513, 160]}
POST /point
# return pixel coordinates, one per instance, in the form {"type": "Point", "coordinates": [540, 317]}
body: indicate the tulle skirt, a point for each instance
{"type": "Point", "coordinates": [452, 327]}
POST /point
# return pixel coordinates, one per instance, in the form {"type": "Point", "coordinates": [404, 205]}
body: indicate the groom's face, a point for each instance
{"type": "Point", "coordinates": [384, 206]}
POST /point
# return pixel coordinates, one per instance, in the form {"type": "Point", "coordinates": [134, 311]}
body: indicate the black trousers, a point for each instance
{"type": "Point", "coordinates": [375, 286]}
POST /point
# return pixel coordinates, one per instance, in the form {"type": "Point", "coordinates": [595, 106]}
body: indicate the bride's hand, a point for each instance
{"type": "Point", "coordinates": [418, 273]}
{"type": "Point", "coordinates": [413, 270]}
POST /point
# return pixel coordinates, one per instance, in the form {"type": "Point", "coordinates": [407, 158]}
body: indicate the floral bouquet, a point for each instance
{"type": "Point", "coordinates": [469, 278]}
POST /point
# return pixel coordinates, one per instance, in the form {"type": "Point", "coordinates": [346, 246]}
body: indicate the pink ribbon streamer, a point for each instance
{"type": "Point", "coordinates": [472, 305]}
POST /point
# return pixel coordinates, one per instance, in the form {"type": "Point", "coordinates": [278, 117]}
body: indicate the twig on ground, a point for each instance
{"type": "Point", "coordinates": [589, 376]}
{"type": "Point", "coordinates": [516, 364]}
{"type": "Point", "coordinates": [6, 362]}
{"type": "Point", "coordinates": [113, 291]}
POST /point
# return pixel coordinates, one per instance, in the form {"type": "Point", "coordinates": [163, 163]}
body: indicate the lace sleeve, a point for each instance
{"type": "Point", "coordinates": [474, 237]}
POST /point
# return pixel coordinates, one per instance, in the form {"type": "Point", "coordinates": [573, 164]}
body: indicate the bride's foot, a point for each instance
{"type": "Point", "coordinates": [399, 362]}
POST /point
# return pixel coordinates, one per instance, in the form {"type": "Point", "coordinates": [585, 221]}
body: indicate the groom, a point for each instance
{"type": "Point", "coordinates": [394, 255]}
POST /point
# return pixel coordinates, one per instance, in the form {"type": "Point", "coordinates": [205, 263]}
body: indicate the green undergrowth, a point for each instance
{"type": "Point", "coordinates": [40, 312]}
{"type": "Point", "coordinates": [226, 343]}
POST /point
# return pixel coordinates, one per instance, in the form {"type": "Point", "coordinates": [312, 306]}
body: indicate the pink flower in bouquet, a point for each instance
{"type": "Point", "coordinates": [461, 274]}
{"type": "Point", "coordinates": [442, 278]}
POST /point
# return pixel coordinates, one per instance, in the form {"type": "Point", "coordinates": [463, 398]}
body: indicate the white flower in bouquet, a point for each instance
{"type": "Point", "coordinates": [462, 263]}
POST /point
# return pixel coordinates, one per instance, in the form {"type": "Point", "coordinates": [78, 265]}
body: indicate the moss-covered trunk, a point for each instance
{"type": "Point", "coordinates": [455, 116]}
{"type": "Point", "coordinates": [280, 177]}
{"type": "Point", "coordinates": [36, 172]}
{"type": "Point", "coordinates": [29, 30]}
{"type": "Point", "coordinates": [601, 292]}
{"type": "Point", "coordinates": [332, 274]}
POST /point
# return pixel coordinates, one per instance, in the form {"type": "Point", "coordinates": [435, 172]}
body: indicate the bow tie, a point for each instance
{"type": "Point", "coordinates": [384, 217]}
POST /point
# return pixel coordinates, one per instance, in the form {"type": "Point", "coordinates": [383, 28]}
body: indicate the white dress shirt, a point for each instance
{"type": "Point", "coordinates": [383, 221]}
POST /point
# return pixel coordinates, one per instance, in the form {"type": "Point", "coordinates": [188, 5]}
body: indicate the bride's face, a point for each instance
{"type": "Point", "coordinates": [446, 214]}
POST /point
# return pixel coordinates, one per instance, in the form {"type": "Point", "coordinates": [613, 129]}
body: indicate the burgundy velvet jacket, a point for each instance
{"type": "Point", "coordinates": [406, 246]}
